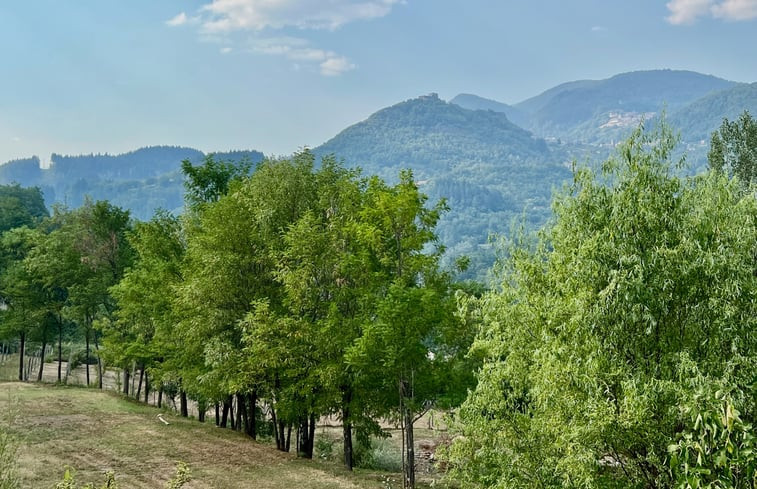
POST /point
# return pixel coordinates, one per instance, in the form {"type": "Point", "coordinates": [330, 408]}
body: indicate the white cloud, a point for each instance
{"type": "Point", "coordinates": [598, 28]}
{"type": "Point", "coordinates": [735, 10]}
{"type": "Point", "coordinates": [688, 11]}
{"type": "Point", "coordinates": [233, 15]}
{"type": "Point", "coordinates": [224, 21]}
{"type": "Point", "coordinates": [180, 19]}
{"type": "Point", "coordinates": [336, 66]}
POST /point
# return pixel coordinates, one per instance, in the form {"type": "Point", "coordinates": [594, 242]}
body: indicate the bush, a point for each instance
{"type": "Point", "coordinates": [377, 454]}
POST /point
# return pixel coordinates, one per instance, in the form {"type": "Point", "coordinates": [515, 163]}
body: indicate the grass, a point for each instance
{"type": "Point", "coordinates": [94, 431]}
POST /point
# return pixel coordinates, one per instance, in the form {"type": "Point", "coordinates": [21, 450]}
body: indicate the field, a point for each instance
{"type": "Point", "coordinates": [94, 431]}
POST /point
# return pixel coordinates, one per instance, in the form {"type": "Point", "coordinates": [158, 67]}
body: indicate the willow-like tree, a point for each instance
{"type": "Point", "coordinates": [590, 342]}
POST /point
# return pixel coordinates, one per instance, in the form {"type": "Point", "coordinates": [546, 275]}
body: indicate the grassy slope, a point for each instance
{"type": "Point", "coordinates": [94, 431]}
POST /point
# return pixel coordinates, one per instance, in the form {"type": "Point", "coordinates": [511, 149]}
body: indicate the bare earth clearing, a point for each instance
{"type": "Point", "coordinates": [95, 431]}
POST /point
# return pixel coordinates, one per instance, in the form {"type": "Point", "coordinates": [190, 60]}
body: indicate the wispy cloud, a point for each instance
{"type": "Point", "coordinates": [226, 19]}
{"type": "Point", "coordinates": [180, 19]}
{"type": "Point", "coordinates": [688, 11]}
{"type": "Point", "coordinates": [735, 10]}
{"type": "Point", "coordinates": [336, 66]}
{"type": "Point", "coordinates": [300, 51]}
{"type": "Point", "coordinates": [232, 15]}
{"type": "Point", "coordinates": [598, 28]}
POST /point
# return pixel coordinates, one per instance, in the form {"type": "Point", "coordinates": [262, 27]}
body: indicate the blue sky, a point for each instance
{"type": "Point", "coordinates": [276, 75]}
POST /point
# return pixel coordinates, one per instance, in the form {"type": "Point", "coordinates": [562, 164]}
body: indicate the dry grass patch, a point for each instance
{"type": "Point", "coordinates": [94, 431]}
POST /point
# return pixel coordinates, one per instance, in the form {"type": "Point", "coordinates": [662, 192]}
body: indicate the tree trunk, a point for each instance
{"type": "Point", "coordinates": [252, 427]}
{"type": "Point", "coordinates": [409, 448]}
{"type": "Point", "coordinates": [127, 376]}
{"type": "Point", "coordinates": [99, 364]}
{"type": "Point", "coordinates": [305, 434]}
{"type": "Point", "coordinates": [86, 361]}
{"type": "Point", "coordinates": [244, 423]}
{"type": "Point", "coordinates": [184, 410]}
{"type": "Point", "coordinates": [347, 427]}
{"type": "Point", "coordinates": [218, 421]}
{"type": "Point", "coordinates": [60, 347]}
{"type": "Point", "coordinates": [279, 436]}
{"type": "Point", "coordinates": [42, 360]}
{"type": "Point", "coordinates": [201, 408]}
{"type": "Point", "coordinates": [240, 409]}
{"type": "Point", "coordinates": [225, 415]}
{"type": "Point", "coordinates": [347, 438]}
{"type": "Point", "coordinates": [160, 396]}
{"type": "Point", "coordinates": [147, 386]}
{"type": "Point", "coordinates": [281, 440]}
{"type": "Point", "coordinates": [406, 396]}
{"type": "Point", "coordinates": [139, 385]}
{"type": "Point", "coordinates": [21, 348]}
{"type": "Point", "coordinates": [289, 437]}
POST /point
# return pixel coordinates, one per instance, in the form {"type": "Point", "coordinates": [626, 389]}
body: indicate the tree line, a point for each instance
{"type": "Point", "coordinates": [286, 291]}
{"type": "Point", "coordinates": [618, 348]}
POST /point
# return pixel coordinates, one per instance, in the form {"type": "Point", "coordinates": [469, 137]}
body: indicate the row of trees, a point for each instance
{"type": "Point", "coordinates": [290, 291]}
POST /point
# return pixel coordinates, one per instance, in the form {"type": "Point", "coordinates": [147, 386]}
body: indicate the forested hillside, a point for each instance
{"type": "Point", "coordinates": [141, 181]}
{"type": "Point", "coordinates": [476, 153]}
{"type": "Point", "coordinates": [490, 170]}
{"type": "Point", "coordinates": [700, 118]}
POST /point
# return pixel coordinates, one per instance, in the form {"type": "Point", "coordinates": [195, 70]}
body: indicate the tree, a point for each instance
{"type": "Point", "coordinates": [142, 330]}
{"type": "Point", "coordinates": [413, 304]}
{"type": "Point", "coordinates": [104, 254]}
{"type": "Point", "coordinates": [589, 344]}
{"type": "Point", "coordinates": [21, 295]}
{"type": "Point", "coordinates": [54, 263]}
{"type": "Point", "coordinates": [232, 247]}
{"type": "Point", "coordinates": [210, 181]}
{"type": "Point", "coordinates": [733, 148]}
{"type": "Point", "coordinates": [20, 207]}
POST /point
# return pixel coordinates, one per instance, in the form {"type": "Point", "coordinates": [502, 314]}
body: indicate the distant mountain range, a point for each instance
{"type": "Point", "coordinates": [604, 111]}
{"type": "Point", "coordinates": [141, 181]}
{"type": "Point", "coordinates": [495, 163]}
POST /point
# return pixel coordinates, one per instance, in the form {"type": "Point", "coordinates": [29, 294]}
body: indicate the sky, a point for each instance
{"type": "Point", "coordinates": [89, 76]}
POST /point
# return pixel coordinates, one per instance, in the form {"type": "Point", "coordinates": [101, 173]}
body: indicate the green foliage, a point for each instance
{"type": "Point", "coordinates": [378, 454]}
{"type": "Point", "coordinates": [210, 181]}
{"type": "Point", "coordinates": [734, 148]}
{"type": "Point", "coordinates": [69, 481]}
{"type": "Point", "coordinates": [183, 476]}
{"type": "Point", "coordinates": [718, 447]}
{"type": "Point", "coordinates": [584, 344]}
{"type": "Point", "coordinates": [20, 207]}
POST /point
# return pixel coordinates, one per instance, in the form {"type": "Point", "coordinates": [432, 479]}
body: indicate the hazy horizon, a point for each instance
{"type": "Point", "coordinates": [274, 76]}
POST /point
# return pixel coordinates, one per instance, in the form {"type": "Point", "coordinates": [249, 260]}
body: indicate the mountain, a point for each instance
{"type": "Point", "coordinates": [474, 102]}
{"type": "Point", "coordinates": [699, 119]}
{"type": "Point", "coordinates": [491, 171]}
{"type": "Point", "coordinates": [141, 180]}
{"type": "Point", "coordinates": [599, 110]}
